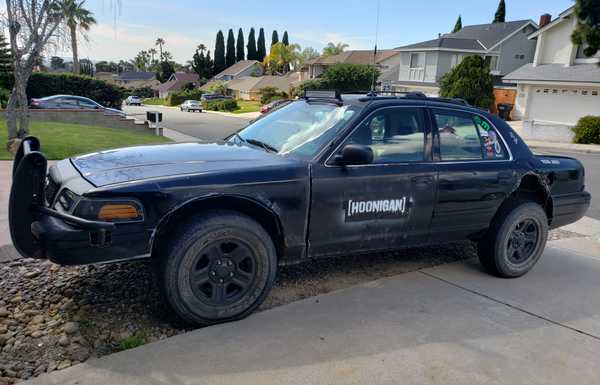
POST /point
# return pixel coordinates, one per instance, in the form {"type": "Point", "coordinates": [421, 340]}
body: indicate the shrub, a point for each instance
{"type": "Point", "coordinates": [268, 94]}
{"type": "Point", "coordinates": [311, 85]}
{"type": "Point", "coordinates": [142, 92]}
{"type": "Point", "coordinates": [471, 80]}
{"type": "Point", "coordinates": [155, 101]}
{"type": "Point", "coordinates": [345, 77]}
{"type": "Point", "coordinates": [4, 96]}
{"type": "Point", "coordinates": [217, 87]}
{"type": "Point", "coordinates": [220, 105]}
{"type": "Point", "coordinates": [176, 98]}
{"type": "Point", "coordinates": [587, 130]}
{"type": "Point", "coordinates": [43, 84]}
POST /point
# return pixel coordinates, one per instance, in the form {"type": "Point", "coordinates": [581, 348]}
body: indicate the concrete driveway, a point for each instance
{"type": "Point", "coordinates": [452, 324]}
{"type": "Point", "coordinates": [204, 126]}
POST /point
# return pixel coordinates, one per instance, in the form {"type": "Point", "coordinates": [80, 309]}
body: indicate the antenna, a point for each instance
{"type": "Point", "coordinates": [375, 49]}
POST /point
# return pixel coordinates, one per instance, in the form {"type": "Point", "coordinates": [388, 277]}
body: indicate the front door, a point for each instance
{"type": "Point", "coordinates": [382, 205]}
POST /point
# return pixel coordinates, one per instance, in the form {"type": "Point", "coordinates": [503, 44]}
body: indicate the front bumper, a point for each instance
{"type": "Point", "coordinates": [569, 208]}
{"type": "Point", "coordinates": [41, 232]}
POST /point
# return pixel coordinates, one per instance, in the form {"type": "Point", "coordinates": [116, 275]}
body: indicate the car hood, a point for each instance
{"type": "Point", "coordinates": [156, 161]}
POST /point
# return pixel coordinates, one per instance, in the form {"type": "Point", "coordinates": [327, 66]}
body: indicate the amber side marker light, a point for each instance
{"type": "Point", "coordinates": [118, 211]}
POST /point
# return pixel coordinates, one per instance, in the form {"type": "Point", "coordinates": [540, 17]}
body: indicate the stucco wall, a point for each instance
{"type": "Point", "coordinates": [555, 44]}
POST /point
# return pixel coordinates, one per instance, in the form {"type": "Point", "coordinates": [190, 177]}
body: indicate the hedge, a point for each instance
{"type": "Point", "coordinates": [142, 92]}
{"type": "Point", "coordinates": [220, 105]}
{"type": "Point", "coordinates": [176, 98]}
{"type": "Point", "coordinates": [43, 84]}
{"type": "Point", "coordinates": [587, 130]}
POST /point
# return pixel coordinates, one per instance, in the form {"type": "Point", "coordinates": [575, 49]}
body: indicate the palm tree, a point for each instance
{"type": "Point", "coordinates": [334, 49]}
{"type": "Point", "coordinates": [76, 17]}
{"type": "Point", "coordinates": [160, 42]}
{"type": "Point", "coordinates": [152, 53]}
{"type": "Point", "coordinates": [282, 56]}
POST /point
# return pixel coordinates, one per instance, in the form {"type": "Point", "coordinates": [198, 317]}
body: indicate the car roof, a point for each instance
{"type": "Point", "coordinates": [65, 96]}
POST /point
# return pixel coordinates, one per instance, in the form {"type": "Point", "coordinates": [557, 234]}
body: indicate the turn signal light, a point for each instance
{"type": "Point", "coordinates": [111, 212]}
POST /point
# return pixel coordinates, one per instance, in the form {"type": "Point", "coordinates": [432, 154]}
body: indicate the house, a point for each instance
{"type": "Point", "coordinates": [560, 86]}
{"type": "Point", "coordinates": [106, 76]}
{"type": "Point", "coordinates": [384, 59]}
{"type": "Point", "coordinates": [136, 79]}
{"type": "Point", "coordinates": [240, 69]}
{"type": "Point", "coordinates": [504, 46]}
{"type": "Point", "coordinates": [248, 87]}
{"type": "Point", "coordinates": [176, 82]}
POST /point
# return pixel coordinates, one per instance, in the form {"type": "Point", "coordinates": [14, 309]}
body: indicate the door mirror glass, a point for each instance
{"type": "Point", "coordinates": [354, 154]}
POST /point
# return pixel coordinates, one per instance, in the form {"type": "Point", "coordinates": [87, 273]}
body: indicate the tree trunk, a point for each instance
{"type": "Point", "coordinates": [76, 67]}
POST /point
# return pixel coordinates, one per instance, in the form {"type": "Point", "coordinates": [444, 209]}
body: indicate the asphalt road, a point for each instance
{"type": "Point", "coordinates": [591, 162]}
{"type": "Point", "coordinates": [204, 126]}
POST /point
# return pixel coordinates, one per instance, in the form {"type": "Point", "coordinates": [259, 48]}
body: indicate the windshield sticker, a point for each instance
{"type": "Point", "coordinates": [360, 210]}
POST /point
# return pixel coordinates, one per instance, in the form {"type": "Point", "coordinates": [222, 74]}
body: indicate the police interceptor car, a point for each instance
{"type": "Point", "coordinates": [322, 176]}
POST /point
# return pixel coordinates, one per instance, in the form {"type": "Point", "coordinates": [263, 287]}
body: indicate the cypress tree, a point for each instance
{"type": "Point", "coordinates": [251, 48]}
{"type": "Point", "coordinates": [274, 38]}
{"type": "Point", "coordinates": [500, 15]}
{"type": "Point", "coordinates": [219, 53]}
{"type": "Point", "coordinates": [458, 25]}
{"type": "Point", "coordinates": [285, 40]}
{"type": "Point", "coordinates": [6, 67]}
{"type": "Point", "coordinates": [230, 55]}
{"type": "Point", "coordinates": [239, 48]}
{"type": "Point", "coordinates": [261, 50]}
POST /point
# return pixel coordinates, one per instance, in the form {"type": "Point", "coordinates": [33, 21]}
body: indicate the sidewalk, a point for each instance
{"type": "Point", "coordinates": [452, 324]}
{"type": "Point", "coordinates": [517, 125]}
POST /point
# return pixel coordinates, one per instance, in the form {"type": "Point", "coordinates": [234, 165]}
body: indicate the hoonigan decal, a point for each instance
{"type": "Point", "coordinates": [357, 210]}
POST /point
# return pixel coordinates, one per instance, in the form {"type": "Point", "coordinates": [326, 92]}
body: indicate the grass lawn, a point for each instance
{"type": "Point", "coordinates": [247, 106]}
{"type": "Point", "coordinates": [62, 140]}
{"type": "Point", "coordinates": [155, 102]}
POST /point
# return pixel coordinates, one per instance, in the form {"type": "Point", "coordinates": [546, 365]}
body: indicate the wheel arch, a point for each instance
{"type": "Point", "coordinates": [251, 207]}
{"type": "Point", "coordinates": [532, 187]}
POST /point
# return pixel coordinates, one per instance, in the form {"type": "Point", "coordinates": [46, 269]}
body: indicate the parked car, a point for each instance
{"type": "Point", "coordinates": [70, 102]}
{"type": "Point", "coordinates": [205, 97]}
{"type": "Point", "coordinates": [133, 101]}
{"type": "Point", "coordinates": [322, 176]}
{"type": "Point", "coordinates": [273, 105]}
{"type": "Point", "coordinates": [190, 105]}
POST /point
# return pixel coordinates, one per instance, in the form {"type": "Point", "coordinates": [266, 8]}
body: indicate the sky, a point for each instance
{"type": "Point", "coordinates": [126, 27]}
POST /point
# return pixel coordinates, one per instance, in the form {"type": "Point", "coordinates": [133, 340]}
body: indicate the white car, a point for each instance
{"type": "Point", "coordinates": [190, 105]}
{"type": "Point", "coordinates": [133, 101]}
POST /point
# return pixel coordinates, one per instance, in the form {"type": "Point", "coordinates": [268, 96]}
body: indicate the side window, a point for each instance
{"type": "Point", "coordinates": [395, 135]}
{"type": "Point", "coordinates": [493, 148]}
{"type": "Point", "coordinates": [86, 104]}
{"type": "Point", "coordinates": [459, 139]}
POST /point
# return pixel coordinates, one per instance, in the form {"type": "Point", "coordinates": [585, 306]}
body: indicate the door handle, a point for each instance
{"type": "Point", "coordinates": [422, 180]}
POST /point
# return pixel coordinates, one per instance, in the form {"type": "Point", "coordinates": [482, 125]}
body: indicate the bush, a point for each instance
{"type": "Point", "coordinates": [587, 130]}
{"type": "Point", "coordinates": [176, 98]}
{"type": "Point", "coordinates": [4, 96]}
{"type": "Point", "coordinates": [268, 94]}
{"type": "Point", "coordinates": [311, 85]}
{"type": "Point", "coordinates": [43, 84]}
{"type": "Point", "coordinates": [471, 80]}
{"type": "Point", "coordinates": [220, 105]}
{"type": "Point", "coordinates": [346, 77]}
{"type": "Point", "coordinates": [155, 101]}
{"type": "Point", "coordinates": [142, 92]}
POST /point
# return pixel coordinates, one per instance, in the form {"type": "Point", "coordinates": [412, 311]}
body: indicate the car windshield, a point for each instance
{"type": "Point", "coordinates": [299, 129]}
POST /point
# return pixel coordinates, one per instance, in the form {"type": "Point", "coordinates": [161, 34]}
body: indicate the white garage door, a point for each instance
{"type": "Point", "coordinates": [563, 105]}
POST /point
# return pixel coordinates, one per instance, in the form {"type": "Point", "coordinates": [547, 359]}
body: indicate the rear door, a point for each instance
{"type": "Point", "coordinates": [378, 206]}
{"type": "Point", "coordinates": [476, 173]}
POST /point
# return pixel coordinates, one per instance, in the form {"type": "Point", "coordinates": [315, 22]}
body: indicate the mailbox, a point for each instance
{"type": "Point", "coordinates": [154, 116]}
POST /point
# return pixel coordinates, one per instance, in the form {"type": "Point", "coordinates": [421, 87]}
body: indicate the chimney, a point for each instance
{"type": "Point", "coordinates": [545, 19]}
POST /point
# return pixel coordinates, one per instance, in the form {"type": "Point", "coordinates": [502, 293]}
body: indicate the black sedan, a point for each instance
{"type": "Point", "coordinates": [322, 176]}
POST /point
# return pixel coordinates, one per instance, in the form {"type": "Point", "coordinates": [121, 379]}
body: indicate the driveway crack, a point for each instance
{"type": "Point", "coordinates": [517, 308]}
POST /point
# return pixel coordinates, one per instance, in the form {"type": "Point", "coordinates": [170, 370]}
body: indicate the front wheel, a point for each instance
{"type": "Point", "coordinates": [515, 240]}
{"type": "Point", "coordinates": [218, 268]}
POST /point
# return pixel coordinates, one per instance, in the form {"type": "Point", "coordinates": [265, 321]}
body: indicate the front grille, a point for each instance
{"type": "Point", "coordinates": [51, 190]}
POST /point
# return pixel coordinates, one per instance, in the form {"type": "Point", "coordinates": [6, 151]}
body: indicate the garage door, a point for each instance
{"type": "Point", "coordinates": [563, 105]}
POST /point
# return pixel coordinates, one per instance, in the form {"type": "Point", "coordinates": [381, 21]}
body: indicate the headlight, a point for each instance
{"type": "Point", "coordinates": [120, 211]}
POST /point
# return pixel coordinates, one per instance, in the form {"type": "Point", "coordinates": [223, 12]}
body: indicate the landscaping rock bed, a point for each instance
{"type": "Point", "coordinates": [53, 317]}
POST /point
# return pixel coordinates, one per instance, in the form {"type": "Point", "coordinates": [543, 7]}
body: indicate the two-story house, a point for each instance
{"type": "Point", "coordinates": [504, 46]}
{"type": "Point", "coordinates": [561, 85]}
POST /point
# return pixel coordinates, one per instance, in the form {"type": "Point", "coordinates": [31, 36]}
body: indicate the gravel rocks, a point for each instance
{"type": "Point", "coordinates": [61, 316]}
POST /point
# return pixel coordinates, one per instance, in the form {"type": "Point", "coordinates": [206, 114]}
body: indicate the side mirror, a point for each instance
{"type": "Point", "coordinates": [354, 154]}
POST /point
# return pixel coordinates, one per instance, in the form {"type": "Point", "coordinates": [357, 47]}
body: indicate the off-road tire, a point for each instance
{"type": "Point", "coordinates": [493, 249]}
{"type": "Point", "coordinates": [194, 242]}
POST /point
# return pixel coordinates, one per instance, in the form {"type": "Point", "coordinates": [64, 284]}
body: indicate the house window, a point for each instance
{"type": "Point", "coordinates": [417, 60]}
{"type": "Point", "coordinates": [492, 61]}
{"type": "Point", "coordinates": [455, 60]}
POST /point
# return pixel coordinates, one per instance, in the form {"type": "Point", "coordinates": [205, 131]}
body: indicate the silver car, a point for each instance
{"type": "Point", "coordinates": [133, 101]}
{"type": "Point", "coordinates": [190, 105]}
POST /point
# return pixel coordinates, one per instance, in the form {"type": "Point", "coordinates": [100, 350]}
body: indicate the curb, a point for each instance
{"type": "Point", "coordinates": [579, 150]}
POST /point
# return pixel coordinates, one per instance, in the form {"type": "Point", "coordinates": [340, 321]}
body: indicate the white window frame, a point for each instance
{"type": "Point", "coordinates": [410, 60]}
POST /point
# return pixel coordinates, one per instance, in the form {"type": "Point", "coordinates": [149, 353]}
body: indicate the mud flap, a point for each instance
{"type": "Point", "coordinates": [27, 190]}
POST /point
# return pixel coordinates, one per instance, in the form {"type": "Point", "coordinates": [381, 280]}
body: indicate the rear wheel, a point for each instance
{"type": "Point", "coordinates": [219, 268]}
{"type": "Point", "coordinates": [515, 241]}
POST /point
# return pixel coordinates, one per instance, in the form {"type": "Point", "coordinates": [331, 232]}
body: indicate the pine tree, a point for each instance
{"type": "Point", "coordinates": [285, 40]}
{"type": "Point", "coordinates": [239, 48]}
{"type": "Point", "coordinates": [587, 30]}
{"type": "Point", "coordinates": [230, 55]}
{"type": "Point", "coordinates": [251, 47]}
{"type": "Point", "coordinates": [458, 25]}
{"type": "Point", "coordinates": [500, 15]}
{"type": "Point", "coordinates": [261, 50]}
{"type": "Point", "coordinates": [274, 38]}
{"type": "Point", "coordinates": [219, 53]}
{"type": "Point", "coordinates": [6, 67]}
